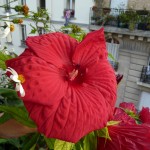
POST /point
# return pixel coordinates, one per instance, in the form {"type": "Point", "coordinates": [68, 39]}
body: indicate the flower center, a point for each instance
{"type": "Point", "coordinates": [21, 78]}
{"type": "Point", "coordinates": [73, 74]}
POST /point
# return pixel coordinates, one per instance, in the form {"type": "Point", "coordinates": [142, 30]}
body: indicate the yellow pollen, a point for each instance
{"type": "Point", "coordinates": [21, 78]}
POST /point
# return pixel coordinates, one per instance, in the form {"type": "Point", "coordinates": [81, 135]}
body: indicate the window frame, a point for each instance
{"type": "Point", "coordinates": [7, 8]}
{"type": "Point", "coordinates": [23, 34]}
{"type": "Point", "coordinates": [23, 2]}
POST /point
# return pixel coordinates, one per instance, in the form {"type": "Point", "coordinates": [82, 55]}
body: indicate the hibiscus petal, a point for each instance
{"type": "Point", "coordinates": [91, 49]}
{"type": "Point", "coordinates": [129, 137]}
{"type": "Point", "coordinates": [102, 76]}
{"type": "Point", "coordinates": [120, 115]}
{"type": "Point", "coordinates": [43, 84]}
{"type": "Point", "coordinates": [128, 106]}
{"type": "Point", "coordinates": [145, 115]}
{"type": "Point", "coordinates": [56, 48]}
{"type": "Point", "coordinates": [81, 111]}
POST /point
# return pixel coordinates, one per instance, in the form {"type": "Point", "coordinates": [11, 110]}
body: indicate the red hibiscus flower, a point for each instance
{"type": "Point", "coordinates": [129, 137]}
{"type": "Point", "coordinates": [70, 87]}
{"type": "Point", "coordinates": [128, 106]}
{"type": "Point", "coordinates": [145, 115]}
{"type": "Point", "coordinates": [121, 115]}
{"type": "Point", "coordinates": [119, 77]}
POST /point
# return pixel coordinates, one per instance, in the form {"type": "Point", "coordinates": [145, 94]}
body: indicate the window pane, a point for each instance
{"type": "Point", "coordinates": [23, 2]}
{"type": "Point", "coordinates": [42, 4]}
{"type": "Point", "coordinates": [23, 32]}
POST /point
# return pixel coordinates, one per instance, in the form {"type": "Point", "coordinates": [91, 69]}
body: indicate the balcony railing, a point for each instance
{"type": "Point", "coordinates": [122, 18]}
{"type": "Point", "coordinates": [145, 75]}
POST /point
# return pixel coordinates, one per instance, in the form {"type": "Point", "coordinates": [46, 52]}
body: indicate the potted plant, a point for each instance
{"type": "Point", "coordinates": [111, 20]}
{"type": "Point", "coordinates": [122, 20]}
{"type": "Point", "coordinates": [129, 18]}
{"type": "Point", "coordinates": [142, 23]}
{"type": "Point", "coordinates": [133, 19]}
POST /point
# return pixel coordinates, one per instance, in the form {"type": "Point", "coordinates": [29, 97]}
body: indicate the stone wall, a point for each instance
{"type": "Point", "coordinates": [130, 65]}
{"type": "Point", "coordinates": [139, 4]}
{"type": "Point", "coordinates": [106, 3]}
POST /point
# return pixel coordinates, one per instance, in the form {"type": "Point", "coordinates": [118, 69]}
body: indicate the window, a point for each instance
{"type": "Point", "coordinates": [145, 74]}
{"type": "Point", "coordinates": [23, 2]}
{"type": "Point", "coordinates": [23, 34]}
{"type": "Point", "coordinates": [42, 4]}
{"type": "Point", "coordinates": [41, 30]}
{"type": "Point", "coordinates": [70, 5]}
{"type": "Point", "coordinates": [7, 6]}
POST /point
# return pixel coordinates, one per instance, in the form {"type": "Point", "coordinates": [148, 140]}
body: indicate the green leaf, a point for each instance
{"type": "Point", "coordinates": [90, 142]}
{"type": "Point", "coordinates": [31, 142]}
{"type": "Point", "coordinates": [11, 97]}
{"type": "Point", "coordinates": [33, 147]}
{"type": "Point", "coordinates": [15, 142]}
{"type": "Point", "coordinates": [19, 113]}
{"type": "Point", "coordinates": [62, 145]}
{"type": "Point", "coordinates": [3, 58]}
{"type": "Point", "coordinates": [5, 117]}
{"type": "Point", "coordinates": [33, 30]}
{"type": "Point", "coordinates": [111, 57]}
{"type": "Point", "coordinates": [3, 141]}
{"type": "Point", "coordinates": [132, 114]}
{"type": "Point", "coordinates": [50, 142]}
{"type": "Point", "coordinates": [78, 146]}
{"type": "Point", "coordinates": [104, 133]}
{"type": "Point", "coordinates": [111, 123]}
{"type": "Point", "coordinates": [2, 64]}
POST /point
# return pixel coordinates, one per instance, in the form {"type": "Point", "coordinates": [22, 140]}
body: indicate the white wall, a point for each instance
{"type": "Point", "coordinates": [57, 9]}
{"type": "Point", "coordinates": [119, 4]}
{"type": "Point", "coordinates": [82, 10]}
{"type": "Point", "coordinates": [144, 100]}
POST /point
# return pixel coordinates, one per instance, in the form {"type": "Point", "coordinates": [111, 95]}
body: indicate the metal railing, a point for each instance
{"type": "Point", "coordinates": [120, 18]}
{"type": "Point", "coordinates": [145, 74]}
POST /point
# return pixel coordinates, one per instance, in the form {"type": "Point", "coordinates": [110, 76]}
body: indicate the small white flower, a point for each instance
{"type": "Point", "coordinates": [18, 79]}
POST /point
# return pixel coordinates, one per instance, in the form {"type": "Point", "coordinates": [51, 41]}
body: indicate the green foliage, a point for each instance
{"type": "Point", "coordinates": [50, 142]}
{"type": "Point", "coordinates": [10, 97]}
{"type": "Point", "coordinates": [111, 57]}
{"type": "Point", "coordinates": [32, 142]}
{"type": "Point", "coordinates": [104, 133]}
{"type": "Point", "coordinates": [74, 31]}
{"type": "Point", "coordinates": [5, 117]}
{"type": "Point", "coordinates": [41, 17]}
{"type": "Point", "coordinates": [129, 16]}
{"type": "Point", "coordinates": [18, 113]}
{"type": "Point", "coordinates": [62, 145]}
{"type": "Point", "coordinates": [132, 114]}
{"type": "Point", "coordinates": [3, 58]}
{"type": "Point", "coordinates": [90, 142]}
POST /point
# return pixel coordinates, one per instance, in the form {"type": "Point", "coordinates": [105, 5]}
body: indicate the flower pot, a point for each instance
{"type": "Point", "coordinates": [142, 26]}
